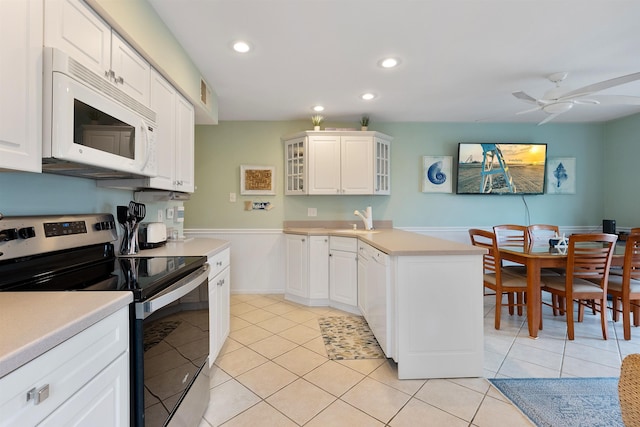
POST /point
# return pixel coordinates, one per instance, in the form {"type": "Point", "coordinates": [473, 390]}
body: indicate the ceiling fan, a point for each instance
{"type": "Point", "coordinates": [557, 100]}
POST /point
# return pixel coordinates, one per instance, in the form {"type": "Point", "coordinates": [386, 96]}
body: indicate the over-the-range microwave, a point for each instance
{"type": "Point", "coordinates": [91, 128]}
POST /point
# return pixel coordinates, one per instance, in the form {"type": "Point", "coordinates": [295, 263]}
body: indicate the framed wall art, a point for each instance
{"type": "Point", "coordinates": [436, 174]}
{"type": "Point", "coordinates": [561, 175]}
{"type": "Point", "coordinates": [257, 180]}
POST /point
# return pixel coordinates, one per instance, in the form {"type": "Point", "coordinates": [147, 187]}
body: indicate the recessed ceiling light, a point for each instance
{"type": "Point", "coordinates": [318, 108]}
{"type": "Point", "coordinates": [368, 96]}
{"type": "Point", "coordinates": [241, 47]}
{"type": "Point", "coordinates": [389, 62]}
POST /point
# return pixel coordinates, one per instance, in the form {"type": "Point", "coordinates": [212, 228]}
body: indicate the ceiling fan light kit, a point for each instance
{"type": "Point", "coordinates": [557, 101]}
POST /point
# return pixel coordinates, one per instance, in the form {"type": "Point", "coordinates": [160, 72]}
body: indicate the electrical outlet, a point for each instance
{"type": "Point", "coordinates": [170, 213]}
{"type": "Point", "coordinates": [312, 211]}
{"type": "Point", "coordinates": [160, 215]}
{"type": "Point", "coordinates": [232, 197]}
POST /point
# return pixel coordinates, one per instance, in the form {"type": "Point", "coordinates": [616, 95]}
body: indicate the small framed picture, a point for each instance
{"type": "Point", "coordinates": [436, 174]}
{"type": "Point", "coordinates": [257, 180]}
{"type": "Point", "coordinates": [561, 175]}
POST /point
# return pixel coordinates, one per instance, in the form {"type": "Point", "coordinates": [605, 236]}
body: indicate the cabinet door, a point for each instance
{"type": "Point", "coordinates": [297, 268]}
{"type": "Point", "coordinates": [377, 298]}
{"type": "Point", "coordinates": [324, 164]}
{"type": "Point", "coordinates": [132, 73]}
{"type": "Point", "coordinates": [356, 167]}
{"type": "Point", "coordinates": [184, 140]}
{"type": "Point", "coordinates": [223, 283]}
{"type": "Point", "coordinates": [295, 166]}
{"type": "Point", "coordinates": [71, 26]}
{"type": "Point", "coordinates": [343, 277]}
{"type": "Point", "coordinates": [21, 85]}
{"type": "Point", "coordinates": [382, 166]}
{"type": "Point", "coordinates": [363, 261]}
{"type": "Point", "coordinates": [103, 402]}
{"type": "Point", "coordinates": [318, 267]}
{"type": "Point", "coordinates": [162, 101]}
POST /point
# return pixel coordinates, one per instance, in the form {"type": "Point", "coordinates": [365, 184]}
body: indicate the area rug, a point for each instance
{"type": "Point", "coordinates": [559, 402]}
{"type": "Point", "coordinates": [349, 337]}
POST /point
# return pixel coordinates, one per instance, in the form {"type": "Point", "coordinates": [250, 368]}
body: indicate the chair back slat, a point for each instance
{"type": "Point", "coordinates": [631, 266]}
{"type": "Point", "coordinates": [539, 233]}
{"type": "Point", "coordinates": [486, 239]}
{"type": "Point", "coordinates": [589, 257]}
{"type": "Point", "coordinates": [512, 235]}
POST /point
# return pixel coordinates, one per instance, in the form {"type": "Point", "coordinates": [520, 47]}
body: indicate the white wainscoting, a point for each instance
{"type": "Point", "coordinates": [258, 255]}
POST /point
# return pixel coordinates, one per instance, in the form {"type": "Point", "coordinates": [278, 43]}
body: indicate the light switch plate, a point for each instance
{"type": "Point", "coordinates": [170, 213]}
{"type": "Point", "coordinates": [312, 211]}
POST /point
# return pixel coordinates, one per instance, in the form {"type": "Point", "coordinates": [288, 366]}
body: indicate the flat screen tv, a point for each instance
{"type": "Point", "coordinates": [502, 168]}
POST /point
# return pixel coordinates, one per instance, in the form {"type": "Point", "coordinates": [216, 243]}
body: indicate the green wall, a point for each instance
{"type": "Point", "coordinates": [620, 170]}
{"type": "Point", "coordinates": [221, 149]}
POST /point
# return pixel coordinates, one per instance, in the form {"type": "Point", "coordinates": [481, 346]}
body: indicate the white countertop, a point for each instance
{"type": "Point", "coordinates": [187, 247]}
{"type": "Point", "coordinates": [34, 322]}
{"type": "Point", "coordinates": [396, 242]}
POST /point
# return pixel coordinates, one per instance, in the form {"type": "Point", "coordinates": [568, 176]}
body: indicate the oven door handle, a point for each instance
{"type": "Point", "coordinates": [173, 292]}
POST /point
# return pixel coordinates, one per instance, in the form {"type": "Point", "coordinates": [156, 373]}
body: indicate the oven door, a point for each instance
{"type": "Point", "coordinates": [170, 368]}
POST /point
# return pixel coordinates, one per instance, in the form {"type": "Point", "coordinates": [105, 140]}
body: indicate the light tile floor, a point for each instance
{"type": "Point", "coordinates": [273, 371]}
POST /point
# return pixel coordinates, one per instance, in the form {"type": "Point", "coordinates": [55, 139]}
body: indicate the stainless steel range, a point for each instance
{"type": "Point", "coordinates": [169, 316]}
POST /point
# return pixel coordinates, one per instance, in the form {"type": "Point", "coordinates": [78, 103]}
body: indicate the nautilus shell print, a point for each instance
{"type": "Point", "coordinates": [560, 174]}
{"type": "Point", "coordinates": [435, 174]}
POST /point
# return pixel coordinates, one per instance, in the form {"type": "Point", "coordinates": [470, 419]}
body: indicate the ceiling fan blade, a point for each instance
{"type": "Point", "coordinates": [549, 118]}
{"type": "Point", "coordinates": [617, 99]}
{"type": "Point", "coordinates": [597, 87]}
{"type": "Point", "coordinates": [525, 97]}
{"type": "Point", "coordinates": [531, 110]}
{"type": "Point", "coordinates": [586, 101]}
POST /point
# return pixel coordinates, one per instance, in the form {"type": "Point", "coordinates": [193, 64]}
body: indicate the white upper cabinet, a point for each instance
{"type": "Point", "coordinates": [184, 145]}
{"type": "Point", "coordinates": [21, 85]}
{"type": "Point", "coordinates": [337, 163]}
{"type": "Point", "coordinates": [74, 28]}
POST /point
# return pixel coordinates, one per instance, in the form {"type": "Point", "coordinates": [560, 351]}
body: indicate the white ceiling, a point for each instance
{"type": "Point", "coordinates": [461, 59]}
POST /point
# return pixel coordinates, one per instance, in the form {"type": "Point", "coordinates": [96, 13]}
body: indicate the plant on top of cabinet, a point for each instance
{"type": "Point", "coordinates": [364, 122]}
{"type": "Point", "coordinates": [317, 121]}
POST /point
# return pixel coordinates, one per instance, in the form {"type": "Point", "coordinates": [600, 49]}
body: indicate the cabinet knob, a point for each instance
{"type": "Point", "coordinates": [38, 395]}
{"type": "Point", "coordinates": [303, 240]}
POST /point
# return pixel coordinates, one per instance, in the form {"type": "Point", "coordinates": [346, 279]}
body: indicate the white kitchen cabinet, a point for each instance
{"type": "Point", "coordinates": [82, 381]}
{"type": "Point", "coordinates": [21, 85]}
{"type": "Point", "coordinates": [74, 28]}
{"type": "Point", "coordinates": [307, 269]}
{"type": "Point", "coordinates": [377, 299]}
{"type": "Point", "coordinates": [219, 301]}
{"type": "Point", "coordinates": [433, 338]}
{"type": "Point", "coordinates": [175, 142]}
{"type": "Point", "coordinates": [342, 163]}
{"type": "Point", "coordinates": [363, 264]}
{"type": "Point", "coordinates": [343, 271]}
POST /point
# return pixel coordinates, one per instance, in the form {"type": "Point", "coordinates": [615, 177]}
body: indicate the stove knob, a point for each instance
{"type": "Point", "coordinates": [27, 232]}
{"type": "Point", "coordinates": [8, 234]}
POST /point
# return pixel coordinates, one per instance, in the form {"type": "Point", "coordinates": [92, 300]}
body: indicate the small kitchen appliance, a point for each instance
{"type": "Point", "coordinates": [152, 235]}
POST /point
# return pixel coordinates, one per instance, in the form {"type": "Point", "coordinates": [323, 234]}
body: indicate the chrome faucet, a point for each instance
{"type": "Point", "coordinates": [367, 218]}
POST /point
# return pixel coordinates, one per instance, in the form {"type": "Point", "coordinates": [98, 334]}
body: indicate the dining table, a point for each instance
{"type": "Point", "coordinates": [536, 257]}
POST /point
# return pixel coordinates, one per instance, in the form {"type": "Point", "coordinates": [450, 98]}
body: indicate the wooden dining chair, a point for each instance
{"type": "Point", "coordinates": [635, 230]}
{"type": "Point", "coordinates": [496, 278]}
{"type": "Point", "coordinates": [626, 288]}
{"type": "Point", "coordinates": [513, 235]}
{"type": "Point", "coordinates": [586, 279]}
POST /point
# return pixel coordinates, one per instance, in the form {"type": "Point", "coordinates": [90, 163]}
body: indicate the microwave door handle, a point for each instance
{"type": "Point", "coordinates": [172, 293]}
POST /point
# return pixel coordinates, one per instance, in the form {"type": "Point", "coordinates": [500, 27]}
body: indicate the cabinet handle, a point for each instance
{"type": "Point", "coordinates": [119, 80]}
{"type": "Point", "coordinates": [220, 282]}
{"type": "Point", "coordinates": [219, 263]}
{"type": "Point", "coordinates": [303, 240]}
{"type": "Point", "coordinates": [38, 395]}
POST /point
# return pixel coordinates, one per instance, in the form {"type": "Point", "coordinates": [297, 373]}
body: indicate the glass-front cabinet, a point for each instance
{"type": "Point", "coordinates": [382, 171]}
{"type": "Point", "coordinates": [337, 162]}
{"type": "Point", "coordinates": [295, 166]}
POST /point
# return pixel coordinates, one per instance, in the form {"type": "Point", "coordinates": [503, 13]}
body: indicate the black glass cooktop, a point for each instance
{"type": "Point", "coordinates": [97, 269]}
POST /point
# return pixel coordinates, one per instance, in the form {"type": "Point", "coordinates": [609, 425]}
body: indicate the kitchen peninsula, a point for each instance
{"type": "Point", "coordinates": [422, 296]}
